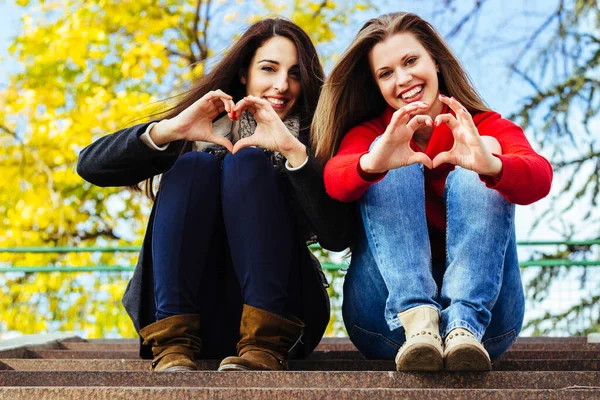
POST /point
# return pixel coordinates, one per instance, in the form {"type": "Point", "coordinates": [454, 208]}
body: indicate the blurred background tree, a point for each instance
{"type": "Point", "coordinates": [90, 68]}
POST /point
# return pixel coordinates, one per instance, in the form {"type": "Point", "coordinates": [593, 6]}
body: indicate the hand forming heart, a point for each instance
{"type": "Point", "coordinates": [470, 150]}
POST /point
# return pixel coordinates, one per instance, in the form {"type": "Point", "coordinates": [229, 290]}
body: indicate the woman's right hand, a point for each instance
{"type": "Point", "coordinates": [392, 149]}
{"type": "Point", "coordinates": [195, 122]}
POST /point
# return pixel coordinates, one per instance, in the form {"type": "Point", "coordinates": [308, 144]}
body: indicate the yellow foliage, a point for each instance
{"type": "Point", "coordinates": [88, 68]}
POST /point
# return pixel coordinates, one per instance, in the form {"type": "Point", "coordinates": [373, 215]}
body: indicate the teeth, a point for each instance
{"type": "Point", "coordinates": [412, 93]}
{"type": "Point", "coordinates": [276, 101]}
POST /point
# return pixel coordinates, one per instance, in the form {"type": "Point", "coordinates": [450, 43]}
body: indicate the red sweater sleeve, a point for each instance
{"type": "Point", "coordinates": [343, 181]}
{"type": "Point", "coordinates": [526, 176]}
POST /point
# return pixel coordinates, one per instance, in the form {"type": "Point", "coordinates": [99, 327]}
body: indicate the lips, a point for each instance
{"type": "Point", "coordinates": [277, 102]}
{"type": "Point", "coordinates": [412, 92]}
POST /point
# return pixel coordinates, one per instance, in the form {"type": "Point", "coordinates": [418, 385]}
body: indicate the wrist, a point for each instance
{"type": "Point", "coordinates": [294, 151]}
{"type": "Point", "coordinates": [163, 133]}
{"type": "Point", "coordinates": [496, 168]}
{"type": "Point", "coordinates": [365, 164]}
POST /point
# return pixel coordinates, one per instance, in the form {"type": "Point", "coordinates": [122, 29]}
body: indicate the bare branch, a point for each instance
{"type": "Point", "coordinates": [10, 133]}
{"type": "Point", "coordinates": [471, 14]}
{"type": "Point", "coordinates": [321, 8]}
{"type": "Point", "coordinates": [539, 30]}
{"type": "Point", "coordinates": [526, 78]}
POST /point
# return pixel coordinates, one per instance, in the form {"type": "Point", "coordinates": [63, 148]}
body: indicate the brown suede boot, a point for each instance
{"type": "Point", "coordinates": [266, 340]}
{"type": "Point", "coordinates": [175, 342]}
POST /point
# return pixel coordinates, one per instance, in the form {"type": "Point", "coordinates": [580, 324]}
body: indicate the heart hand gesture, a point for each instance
{"type": "Point", "coordinates": [392, 149]}
{"type": "Point", "coordinates": [271, 133]}
{"type": "Point", "coordinates": [470, 150]}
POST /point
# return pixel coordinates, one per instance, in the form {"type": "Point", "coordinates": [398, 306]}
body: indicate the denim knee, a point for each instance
{"type": "Point", "coordinates": [467, 182]}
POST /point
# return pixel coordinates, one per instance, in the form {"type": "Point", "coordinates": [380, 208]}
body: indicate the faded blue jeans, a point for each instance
{"type": "Point", "coordinates": [479, 287]}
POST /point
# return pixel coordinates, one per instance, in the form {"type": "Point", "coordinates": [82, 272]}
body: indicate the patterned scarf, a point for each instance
{"type": "Point", "coordinates": [246, 127]}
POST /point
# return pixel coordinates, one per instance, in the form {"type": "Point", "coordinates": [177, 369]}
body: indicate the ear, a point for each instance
{"type": "Point", "coordinates": [437, 67]}
{"type": "Point", "coordinates": [242, 75]}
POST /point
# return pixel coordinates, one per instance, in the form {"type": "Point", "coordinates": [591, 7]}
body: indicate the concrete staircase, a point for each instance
{"type": "Point", "coordinates": [73, 368]}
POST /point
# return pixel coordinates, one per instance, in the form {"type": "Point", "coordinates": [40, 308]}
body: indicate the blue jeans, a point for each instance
{"type": "Point", "coordinates": [479, 287]}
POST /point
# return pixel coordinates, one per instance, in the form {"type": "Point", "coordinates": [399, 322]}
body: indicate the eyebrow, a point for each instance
{"type": "Point", "coordinates": [407, 55]}
{"type": "Point", "coordinates": [277, 62]}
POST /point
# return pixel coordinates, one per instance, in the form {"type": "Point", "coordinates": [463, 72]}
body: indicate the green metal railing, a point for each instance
{"type": "Point", "coordinates": [549, 262]}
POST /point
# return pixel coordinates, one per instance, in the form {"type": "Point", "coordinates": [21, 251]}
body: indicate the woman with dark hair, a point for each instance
{"type": "Point", "coordinates": [224, 263]}
{"type": "Point", "coordinates": [434, 280]}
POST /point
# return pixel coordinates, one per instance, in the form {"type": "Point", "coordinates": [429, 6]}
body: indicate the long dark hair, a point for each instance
{"type": "Point", "coordinates": [226, 74]}
{"type": "Point", "coordinates": [350, 95]}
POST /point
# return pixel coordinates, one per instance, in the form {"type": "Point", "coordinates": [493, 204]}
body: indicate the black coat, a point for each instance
{"type": "Point", "coordinates": [122, 159]}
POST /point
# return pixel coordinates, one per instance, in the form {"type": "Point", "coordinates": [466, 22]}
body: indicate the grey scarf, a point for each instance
{"type": "Point", "coordinates": [247, 126]}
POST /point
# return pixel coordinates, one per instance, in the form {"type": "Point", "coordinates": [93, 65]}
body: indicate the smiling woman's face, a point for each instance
{"type": "Point", "coordinates": [274, 75]}
{"type": "Point", "coordinates": [405, 72]}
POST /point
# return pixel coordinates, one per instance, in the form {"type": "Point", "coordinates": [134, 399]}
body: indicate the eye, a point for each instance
{"type": "Point", "coordinates": [295, 74]}
{"type": "Point", "coordinates": [267, 68]}
{"type": "Point", "coordinates": [411, 61]}
{"type": "Point", "coordinates": [385, 74]}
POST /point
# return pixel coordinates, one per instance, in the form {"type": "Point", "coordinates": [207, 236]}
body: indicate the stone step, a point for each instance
{"type": "Point", "coordinates": [77, 393]}
{"type": "Point", "coordinates": [304, 379]}
{"type": "Point", "coordinates": [330, 365]}
{"type": "Point", "coordinates": [550, 355]}
{"type": "Point", "coordinates": [351, 355]}
{"type": "Point", "coordinates": [90, 346]}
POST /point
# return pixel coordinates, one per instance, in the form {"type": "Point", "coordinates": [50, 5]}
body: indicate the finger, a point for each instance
{"type": "Point", "coordinates": [242, 143]}
{"type": "Point", "coordinates": [220, 140]}
{"type": "Point", "coordinates": [219, 106]}
{"type": "Point", "coordinates": [258, 102]}
{"type": "Point", "coordinates": [418, 121]}
{"type": "Point", "coordinates": [232, 113]}
{"type": "Point", "coordinates": [240, 106]}
{"type": "Point", "coordinates": [443, 158]}
{"type": "Point", "coordinates": [423, 159]}
{"type": "Point", "coordinates": [452, 103]}
{"type": "Point", "coordinates": [226, 104]}
{"type": "Point", "coordinates": [400, 116]}
{"type": "Point", "coordinates": [213, 94]}
{"type": "Point", "coordinates": [467, 119]}
{"type": "Point", "coordinates": [448, 119]}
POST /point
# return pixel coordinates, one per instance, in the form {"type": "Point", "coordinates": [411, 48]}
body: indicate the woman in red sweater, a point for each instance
{"type": "Point", "coordinates": [434, 279]}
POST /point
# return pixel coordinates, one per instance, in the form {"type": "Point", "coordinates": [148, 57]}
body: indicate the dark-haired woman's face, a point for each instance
{"type": "Point", "coordinates": [274, 75]}
{"type": "Point", "coordinates": [405, 72]}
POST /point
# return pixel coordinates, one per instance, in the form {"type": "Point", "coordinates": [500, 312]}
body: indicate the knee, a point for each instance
{"type": "Point", "coordinates": [192, 161]}
{"type": "Point", "coordinates": [249, 157]}
{"type": "Point", "coordinates": [462, 178]}
{"type": "Point", "coordinates": [247, 166]}
{"type": "Point", "coordinates": [466, 185]}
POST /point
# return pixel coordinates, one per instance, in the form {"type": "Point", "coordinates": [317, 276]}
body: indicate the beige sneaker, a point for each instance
{"type": "Point", "coordinates": [422, 350]}
{"type": "Point", "coordinates": [465, 353]}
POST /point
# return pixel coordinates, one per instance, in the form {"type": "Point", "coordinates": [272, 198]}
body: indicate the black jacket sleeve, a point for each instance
{"type": "Point", "coordinates": [333, 222]}
{"type": "Point", "coordinates": [122, 159]}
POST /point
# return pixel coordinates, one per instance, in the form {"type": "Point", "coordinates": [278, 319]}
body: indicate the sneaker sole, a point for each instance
{"type": "Point", "coordinates": [423, 357]}
{"type": "Point", "coordinates": [465, 357]}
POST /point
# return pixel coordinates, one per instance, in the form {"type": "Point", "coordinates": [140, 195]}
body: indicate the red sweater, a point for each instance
{"type": "Point", "coordinates": [526, 176]}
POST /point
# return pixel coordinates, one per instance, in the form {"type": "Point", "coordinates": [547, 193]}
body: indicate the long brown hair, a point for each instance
{"type": "Point", "coordinates": [225, 75]}
{"type": "Point", "coordinates": [351, 96]}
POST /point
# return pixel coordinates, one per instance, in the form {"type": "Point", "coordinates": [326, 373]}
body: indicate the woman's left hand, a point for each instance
{"type": "Point", "coordinates": [271, 133]}
{"type": "Point", "coordinates": [470, 150]}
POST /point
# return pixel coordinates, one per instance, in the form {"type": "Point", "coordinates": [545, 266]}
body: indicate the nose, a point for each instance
{"type": "Point", "coordinates": [281, 83]}
{"type": "Point", "coordinates": [403, 77]}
